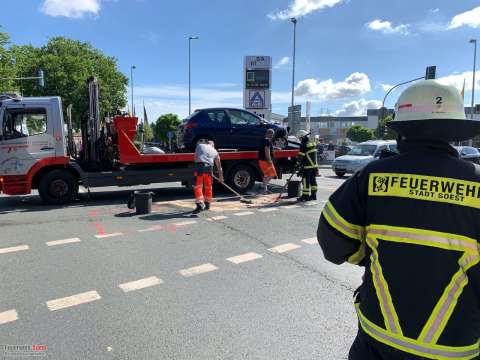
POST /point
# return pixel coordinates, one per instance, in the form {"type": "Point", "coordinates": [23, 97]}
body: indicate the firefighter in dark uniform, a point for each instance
{"type": "Point", "coordinates": [307, 163]}
{"type": "Point", "coordinates": [413, 221]}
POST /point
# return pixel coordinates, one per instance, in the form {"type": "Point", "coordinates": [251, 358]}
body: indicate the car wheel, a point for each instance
{"type": "Point", "coordinates": [58, 187]}
{"type": "Point", "coordinates": [241, 178]}
{"type": "Point", "coordinates": [340, 173]}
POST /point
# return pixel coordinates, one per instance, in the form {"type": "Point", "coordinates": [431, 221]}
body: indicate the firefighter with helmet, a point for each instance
{"type": "Point", "coordinates": [307, 163]}
{"type": "Point", "coordinates": [412, 220]}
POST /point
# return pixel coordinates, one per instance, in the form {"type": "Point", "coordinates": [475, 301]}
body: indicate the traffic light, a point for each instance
{"type": "Point", "coordinates": [430, 73]}
{"type": "Point", "coordinates": [41, 79]}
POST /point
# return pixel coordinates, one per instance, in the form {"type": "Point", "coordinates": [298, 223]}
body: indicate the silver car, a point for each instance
{"type": "Point", "coordinates": [361, 155]}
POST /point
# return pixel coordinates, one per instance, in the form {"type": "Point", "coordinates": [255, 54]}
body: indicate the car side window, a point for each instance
{"type": "Point", "coordinates": [393, 148]}
{"type": "Point", "coordinates": [380, 149]}
{"type": "Point", "coordinates": [19, 123]}
{"type": "Point", "coordinates": [238, 117]}
{"type": "Point", "coordinates": [217, 117]}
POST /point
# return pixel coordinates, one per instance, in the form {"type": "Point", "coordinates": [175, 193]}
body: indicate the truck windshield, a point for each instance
{"type": "Point", "coordinates": [362, 150]}
{"type": "Point", "coordinates": [19, 123]}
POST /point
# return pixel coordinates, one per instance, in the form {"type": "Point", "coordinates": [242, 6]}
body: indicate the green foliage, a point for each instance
{"type": "Point", "coordinates": [147, 132]}
{"type": "Point", "coordinates": [359, 133]}
{"type": "Point", "coordinates": [382, 131]}
{"type": "Point", "coordinates": [164, 124]}
{"type": "Point", "coordinates": [7, 66]}
{"type": "Point", "coordinates": [67, 64]}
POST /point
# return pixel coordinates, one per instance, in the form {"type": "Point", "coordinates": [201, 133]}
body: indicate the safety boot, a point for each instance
{"type": "Point", "coordinates": [207, 205]}
{"type": "Point", "coordinates": [312, 197]}
{"type": "Point", "coordinates": [303, 198]}
{"type": "Point", "coordinates": [198, 209]}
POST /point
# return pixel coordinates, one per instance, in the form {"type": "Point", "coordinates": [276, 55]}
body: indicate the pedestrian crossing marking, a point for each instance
{"type": "Point", "coordinates": [140, 284]}
{"type": "Point", "coordinates": [14, 249]}
{"type": "Point", "coordinates": [73, 300]}
{"type": "Point", "coordinates": [8, 316]}
{"type": "Point", "coordinates": [196, 270]}
{"type": "Point", "coordinates": [244, 258]}
{"type": "Point", "coordinates": [310, 241]}
{"type": "Point", "coordinates": [284, 248]}
{"type": "Point", "coordinates": [62, 242]}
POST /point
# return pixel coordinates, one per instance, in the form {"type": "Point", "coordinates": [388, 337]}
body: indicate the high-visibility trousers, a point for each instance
{"type": "Point", "coordinates": [309, 182]}
{"type": "Point", "coordinates": [203, 179]}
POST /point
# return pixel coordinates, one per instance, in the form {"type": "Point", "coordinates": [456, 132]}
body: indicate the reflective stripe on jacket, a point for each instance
{"type": "Point", "coordinates": [413, 221]}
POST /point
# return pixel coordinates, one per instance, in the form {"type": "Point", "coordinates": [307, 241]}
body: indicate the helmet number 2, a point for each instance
{"type": "Point", "coordinates": [439, 100]}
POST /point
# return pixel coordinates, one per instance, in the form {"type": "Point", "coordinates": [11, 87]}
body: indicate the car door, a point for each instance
{"type": "Point", "coordinates": [27, 137]}
{"type": "Point", "coordinates": [247, 129]}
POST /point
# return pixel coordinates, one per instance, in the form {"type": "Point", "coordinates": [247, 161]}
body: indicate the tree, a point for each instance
{"type": "Point", "coordinates": [382, 131]}
{"type": "Point", "coordinates": [359, 133]}
{"type": "Point", "coordinates": [67, 64]}
{"type": "Point", "coordinates": [147, 132]}
{"type": "Point", "coordinates": [7, 66]}
{"type": "Point", "coordinates": [164, 124]}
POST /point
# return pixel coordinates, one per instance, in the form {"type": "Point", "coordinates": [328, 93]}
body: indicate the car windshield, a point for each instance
{"type": "Point", "coordinates": [362, 150]}
{"type": "Point", "coordinates": [190, 116]}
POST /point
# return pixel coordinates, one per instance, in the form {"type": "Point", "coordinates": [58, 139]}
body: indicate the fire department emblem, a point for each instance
{"type": "Point", "coordinates": [380, 184]}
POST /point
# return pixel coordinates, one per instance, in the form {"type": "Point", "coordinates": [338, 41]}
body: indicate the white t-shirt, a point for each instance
{"type": "Point", "coordinates": [205, 153]}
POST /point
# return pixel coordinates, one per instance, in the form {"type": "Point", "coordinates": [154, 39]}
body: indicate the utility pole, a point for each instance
{"type": "Point", "coordinates": [474, 42]}
{"type": "Point", "coordinates": [294, 21]}
{"type": "Point", "coordinates": [190, 38]}
{"type": "Point", "coordinates": [133, 67]}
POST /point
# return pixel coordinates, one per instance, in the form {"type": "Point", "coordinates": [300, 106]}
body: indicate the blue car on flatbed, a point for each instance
{"type": "Point", "coordinates": [230, 128]}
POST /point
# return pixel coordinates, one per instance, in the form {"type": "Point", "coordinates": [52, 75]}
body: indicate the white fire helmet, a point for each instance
{"type": "Point", "coordinates": [428, 110]}
{"type": "Point", "coordinates": [301, 133]}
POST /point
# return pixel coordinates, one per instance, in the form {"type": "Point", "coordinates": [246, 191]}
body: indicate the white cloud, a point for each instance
{"type": "Point", "coordinates": [70, 8]}
{"type": "Point", "coordinates": [355, 84]}
{"type": "Point", "coordinates": [299, 8]}
{"type": "Point", "coordinates": [282, 62]}
{"type": "Point", "coordinates": [457, 79]}
{"type": "Point", "coordinates": [386, 87]}
{"type": "Point", "coordinates": [386, 27]}
{"type": "Point", "coordinates": [358, 107]}
{"type": "Point", "coordinates": [468, 18]}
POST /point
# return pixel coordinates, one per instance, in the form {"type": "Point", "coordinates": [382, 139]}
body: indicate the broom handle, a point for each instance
{"type": "Point", "coordinates": [228, 187]}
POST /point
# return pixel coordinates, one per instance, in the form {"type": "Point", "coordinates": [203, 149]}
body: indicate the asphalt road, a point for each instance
{"type": "Point", "coordinates": [95, 281]}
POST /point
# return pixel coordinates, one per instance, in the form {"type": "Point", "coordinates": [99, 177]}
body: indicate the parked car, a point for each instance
{"type": "Point", "coordinates": [230, 129]}
{"type": "Point", "coordinates": [341, 150]}
{"type": "Point", "coordinates": [468, 153]}
{"type": "Point", "coordinates": [360, 155]}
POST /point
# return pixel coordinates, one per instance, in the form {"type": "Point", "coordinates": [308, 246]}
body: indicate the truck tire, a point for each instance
{"type": "Point", "coordinates": [58, 187]}
{"type": "Point", "coordinates": [340, 173]}
{"type": "Point", "coordinates": [241, 178]}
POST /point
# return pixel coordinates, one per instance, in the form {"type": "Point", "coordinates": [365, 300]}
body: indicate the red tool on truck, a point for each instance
{"type": "Point", "coordinates": [37, 151]}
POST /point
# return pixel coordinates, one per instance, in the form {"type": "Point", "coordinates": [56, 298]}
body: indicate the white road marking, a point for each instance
{"type": "Point", "coordinates": [291, 206]}
{"type": "Point", "coordinates": [186, 222]}
{"type": "Point", "coordinates": [310, 203]}
{"type": "Point", "coordinates": [151, 228]}
{"type": "Point", "coordinates": [73, 300]}
{"type": "Point", "coordinates": [214, 218]}
{"type": "Point", "coordinates": [268, 210]}
{"type": "Point", "coordinates": [310, 241]}
{"type": "Point", "coordinates": [244, 213]}
{"type": "Point", "coordinates": [62, 242]}
{"type": "Point", "coordinates": [244, 258]}
{"type": "Point", "coordinates": [8, 316]}
{"type": "Point", "coordinates": [196, 270]}
{"type": "Point", "coordinates": [284, 248]}
{"type": "Point", "coordinates": [14, 249]}
{"type": "Point", "coordinates": [140, 284]}
{"type": "Point", "coordinates": [103, 236]}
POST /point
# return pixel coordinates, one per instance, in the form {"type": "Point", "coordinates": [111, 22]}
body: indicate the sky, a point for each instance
{"type": "Point", "coordinates": [348, 52]}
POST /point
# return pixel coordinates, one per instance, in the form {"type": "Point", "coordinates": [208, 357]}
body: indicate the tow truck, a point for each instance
{"type": "Point", "coordinates": [38, 151]}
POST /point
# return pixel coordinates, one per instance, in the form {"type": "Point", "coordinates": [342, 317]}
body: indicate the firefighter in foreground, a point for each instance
{"type": "Point", "coordinates": [307, 163]}
{"type": "Point", "coordinates": [205, 157]}
{"type": "Point", "coordinates": [413, 221]}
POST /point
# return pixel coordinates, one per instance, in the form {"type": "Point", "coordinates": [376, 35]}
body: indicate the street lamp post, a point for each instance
{"type": "Point", "coordinates": [190, 38]}
{"type": "Point", "coordinates": [474, 42]}
{"type": "Point", "coordinates": [133, 67]}
{"type": "Point", "coordinates": [294, 21]}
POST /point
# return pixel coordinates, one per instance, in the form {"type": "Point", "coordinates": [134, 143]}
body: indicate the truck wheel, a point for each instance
{"type": "Point", "coordinates": [241, 178]}
{"type": "Point", "coordinates": [340, 173]}
{"type": "Point", "coordinates": [58, 187]}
